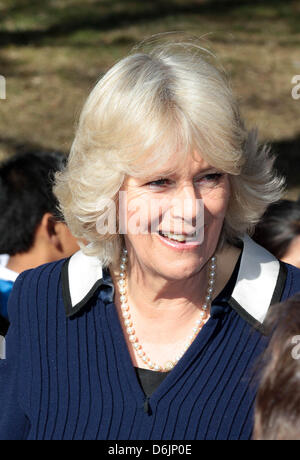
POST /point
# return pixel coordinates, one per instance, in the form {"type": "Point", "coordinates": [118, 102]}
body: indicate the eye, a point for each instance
{"type": "Point", "coordinates": [212, 178]}
{"type": "Point", "coordinates": [158, 183]}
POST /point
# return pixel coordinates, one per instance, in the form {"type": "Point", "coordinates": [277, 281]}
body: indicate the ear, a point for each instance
{"type": "Point", "coordinates": [49, 224]}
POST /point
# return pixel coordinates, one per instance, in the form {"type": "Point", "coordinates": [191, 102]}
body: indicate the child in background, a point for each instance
{"type": "Point", "coordinates": [277, 411]}
{"type": "Point", "coordinates": [279, 231]}
{"type": "Point", "coordinates": [32, 231]}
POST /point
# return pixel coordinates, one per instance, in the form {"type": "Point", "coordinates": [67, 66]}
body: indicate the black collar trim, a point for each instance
{"type": "Point", "coordinates": [69, 309]}
{"type": "Point", "coordinates": [260, 283]}
{"type": "Point", "coordinates": [277, 295]}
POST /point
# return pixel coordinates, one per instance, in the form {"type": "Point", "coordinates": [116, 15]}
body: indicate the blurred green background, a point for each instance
{"type": "Point", "coordinates": [52, 53]}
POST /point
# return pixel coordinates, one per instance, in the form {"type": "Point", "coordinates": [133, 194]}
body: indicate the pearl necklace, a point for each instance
{"type": "Point", "coordinates": [204, 315]}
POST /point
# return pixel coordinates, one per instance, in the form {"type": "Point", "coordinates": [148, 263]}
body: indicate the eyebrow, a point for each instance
{"type": "Point", "coordinates": [172, 173]}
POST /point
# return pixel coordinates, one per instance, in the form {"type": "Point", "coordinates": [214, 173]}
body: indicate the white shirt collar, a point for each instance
{"type": "Point", "coordinates": [257, 280]}
{"type": "Point", "coordinates": [259, 283]}
{"type": "Point", "coordinates": [5, 273]}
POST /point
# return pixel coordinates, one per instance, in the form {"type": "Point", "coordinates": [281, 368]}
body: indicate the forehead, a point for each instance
{"type": "Point", "coordinates": [176, 165]}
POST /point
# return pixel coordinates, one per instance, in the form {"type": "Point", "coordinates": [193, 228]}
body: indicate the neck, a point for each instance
{"type": "Point", "coordinates": [154, 292]}
{"type": "Point", "coordinates": [27, 260]}
{"type": "Point", "coordinates": [160, 303]}
{"type": "Point", "coordinates": [164, 312]}
{"type": "Point", "coordinates": [164, 299]}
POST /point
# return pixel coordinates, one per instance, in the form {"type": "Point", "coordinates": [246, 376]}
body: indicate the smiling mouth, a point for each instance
{"type": "Point", "coordinates": [179, 238]}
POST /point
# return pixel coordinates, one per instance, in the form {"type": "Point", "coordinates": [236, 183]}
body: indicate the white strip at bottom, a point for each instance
{"type": "Point", "coordinates": [2, 347]}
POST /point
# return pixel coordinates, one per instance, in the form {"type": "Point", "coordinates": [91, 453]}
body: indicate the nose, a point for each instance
{"type": "Point", "coordinates": [187, 208]}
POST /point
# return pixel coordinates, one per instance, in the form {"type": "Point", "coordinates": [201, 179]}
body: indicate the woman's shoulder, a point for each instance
{"type": "Point", "coordinates": [68, 283]}
{"type": "Point", "coordinates": [34, 287]}
{"type": "Point", "coordinates": [35, 295]}
{"type": "Point", "coordinates": [48, 274]}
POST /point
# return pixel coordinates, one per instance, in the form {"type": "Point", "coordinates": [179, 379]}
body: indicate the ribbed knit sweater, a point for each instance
{"type": "Point", "coordinates": [72, 378]}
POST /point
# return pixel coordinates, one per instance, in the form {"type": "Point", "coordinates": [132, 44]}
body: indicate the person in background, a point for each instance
{"type": "Point", "coordinates": [32, 232]}
{"type": "Point", "coordinates": [279, 231]}
{"type": "Point", "coordinates": [277, 409]}
{"type": "Point", "coordinates": [7, 279]}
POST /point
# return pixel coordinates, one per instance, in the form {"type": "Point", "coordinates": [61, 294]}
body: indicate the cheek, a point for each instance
{"type": "Point", "coordinates": [144, 212]}
{"type": "Point", "coordinates": [138, 218]}
{"type": "Point", "coordinates": [216, 204]}
{"type": "Point", "coordinates": [133, 211]}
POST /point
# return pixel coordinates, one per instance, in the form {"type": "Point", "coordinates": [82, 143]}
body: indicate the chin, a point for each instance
{"type": "Point", "coordinates": [179, 271]}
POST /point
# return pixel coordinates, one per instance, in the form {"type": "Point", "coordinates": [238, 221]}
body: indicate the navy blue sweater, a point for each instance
{"type": "Point", "coordinates": [72, 377]}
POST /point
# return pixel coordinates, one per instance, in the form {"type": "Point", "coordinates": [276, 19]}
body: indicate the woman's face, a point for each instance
{"type": "Point", "coordinates": [163, 211]}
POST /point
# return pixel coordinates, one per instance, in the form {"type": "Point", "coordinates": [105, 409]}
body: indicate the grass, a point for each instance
{"type": "Point", "coordinates": [53, 52]}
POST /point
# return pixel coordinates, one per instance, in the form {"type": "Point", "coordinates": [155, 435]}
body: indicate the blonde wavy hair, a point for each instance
{"type": "Point", "coordinates": [151, 105]}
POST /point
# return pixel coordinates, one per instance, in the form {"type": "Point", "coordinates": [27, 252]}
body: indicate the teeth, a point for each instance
{"type": "Point", "coordinates": [179, 237]}
{"type": "Point", "coordinates": [172, 236]}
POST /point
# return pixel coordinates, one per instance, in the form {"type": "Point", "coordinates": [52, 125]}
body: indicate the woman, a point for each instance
{"type": "Point", "coordinates": [150, 332]}
{"type": "Point", "coordinates": [279, 231]}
